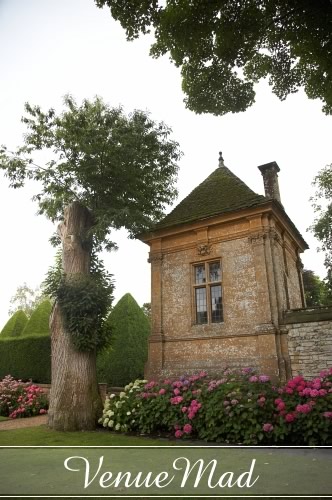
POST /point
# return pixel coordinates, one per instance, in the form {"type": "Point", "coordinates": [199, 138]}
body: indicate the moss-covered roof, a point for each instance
{"type": "Point", "coordinates": [221, 192]}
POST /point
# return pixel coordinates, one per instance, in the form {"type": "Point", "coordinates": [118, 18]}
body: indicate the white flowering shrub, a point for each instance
{"type": "Point", "coordinates": [119, 412]}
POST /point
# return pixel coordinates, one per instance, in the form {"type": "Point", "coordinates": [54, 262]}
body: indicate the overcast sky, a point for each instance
{"type": "Point", "coordinates": [49, 48]}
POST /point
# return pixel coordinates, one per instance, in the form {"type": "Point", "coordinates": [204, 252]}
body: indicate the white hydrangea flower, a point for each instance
{"type": "Point", "coordinates": [111, 423]}
{"type": "Point", "coordinates": [133, 421]}
{"type": "Point", "coordinates": [117, 427]}
{"type": "Point", "coordinates": [122, 395]}
{"type": "Point", "coordinates": [128, 412]}
{"type": "Point", "coordinates": [112, 396]}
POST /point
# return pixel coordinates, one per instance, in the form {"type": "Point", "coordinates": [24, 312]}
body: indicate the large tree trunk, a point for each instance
{"type": "Point", "coordinates": [75, 403]}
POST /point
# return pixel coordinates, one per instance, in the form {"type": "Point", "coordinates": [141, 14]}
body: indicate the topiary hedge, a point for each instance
{"type": "Point", "coordinates": [38, 323]}
{"type": "Point", "coordinates": [124, 360]}
{"type": "Point", "coordinates": [15, 325]}
{"type": "Point", "coordinates": [26, 358]}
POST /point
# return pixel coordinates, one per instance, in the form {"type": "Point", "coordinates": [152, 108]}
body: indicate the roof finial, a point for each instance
{"type": "Point", "coordinates": [221, 160]}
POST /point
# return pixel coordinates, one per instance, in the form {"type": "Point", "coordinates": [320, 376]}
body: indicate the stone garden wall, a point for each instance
{"type": "Point", "coordinates": [309, 340]}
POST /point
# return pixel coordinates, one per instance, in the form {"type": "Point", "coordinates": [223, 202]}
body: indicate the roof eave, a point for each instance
{"type": "Point", "coordinates": [267, 204]}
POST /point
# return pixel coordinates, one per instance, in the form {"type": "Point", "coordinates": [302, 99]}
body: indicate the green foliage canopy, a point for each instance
{"type": "Point", "coordinates": [223, 47]}
{"type": "Point", "coordinates": [122, 168]}
{"type": "Point", "coordinates": [15, 325]}
{"type": "Point", "coordinates": [316, 290]}
{"type": "Point", "coordinates": [124, 360]}
{"type": "Point", "coordinates": [322, 226]}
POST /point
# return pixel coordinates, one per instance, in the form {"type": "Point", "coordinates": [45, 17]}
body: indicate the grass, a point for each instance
{"type": "Point", "coordinates": [282, 472]}
{"type": "Point", "coordinates": [43, 436]}
{"type": "Point", "coordinates": [2, 419]}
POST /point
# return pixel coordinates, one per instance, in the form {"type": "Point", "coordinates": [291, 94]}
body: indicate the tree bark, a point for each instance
{"type": "Point", "coordinates": [75, 403]}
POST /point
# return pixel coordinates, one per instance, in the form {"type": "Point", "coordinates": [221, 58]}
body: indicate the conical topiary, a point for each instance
{"type": "Point", "coordinates": [38, 323]}
{"type": "Point", "coordinates": [124, 360]}
{"type": "Point", "coordinates": [15, 325]}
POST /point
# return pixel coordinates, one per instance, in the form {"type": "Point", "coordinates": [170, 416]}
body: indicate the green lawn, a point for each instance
{"type": "Point", "coordinates": [285, 472]}
{"type": "Point", "coordinates": [2, 419]}
{"type": "Point", "coordinates": [43, 436]}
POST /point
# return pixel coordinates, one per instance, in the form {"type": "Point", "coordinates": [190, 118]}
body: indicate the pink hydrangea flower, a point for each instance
{"type": "Point", "coordinates": [178, 434]}
{"type": "Point", "coordinates": [267, 427]}
{"type": "Point", "coordinates": [177, 383]}
{"type": "Point", "coordinates": [289, 417]}
{"type": "Point", "coordinates": [149, 385]}
{"type": "Point", "coordinates": [162, 391]}
{"type": "Point", "coordinates": [187, 429]}
{"type": "Point", "coordinates": [264, 378]}
{"type": "Point", "coordinates": [246, 370]}
{"type": "Point", "coordinates": [314, 393]}
{"type": "Point", "coordinates": [328, 414]}
{"type": "Point", "coordinates": [281, 406]}
{"type": "Point", "coordinates": [176, 400]}
{"type": "Point", "coordinates": [184, 409]}
{"type": "Point", "coordinates": [253, 378]}
{"type": "Point", "coordinates": [303, 408]}
{"type": "Point", "coordinates": [177, 391]}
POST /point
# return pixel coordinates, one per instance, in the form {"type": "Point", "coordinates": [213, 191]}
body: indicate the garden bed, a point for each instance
{"type": "Point", "coordinates": [239, 408]}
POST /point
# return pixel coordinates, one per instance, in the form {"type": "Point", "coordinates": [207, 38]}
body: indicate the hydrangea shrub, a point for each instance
{"type": "Point", "coordinates": [241, 407]}
{"type": "Point", "coordinates": [18, 399]}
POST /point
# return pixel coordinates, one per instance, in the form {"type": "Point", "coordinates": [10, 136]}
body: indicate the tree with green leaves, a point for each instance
{"type": "Point", "coordinates": [15, 325]}
{"type": "Point", "coordinates": [224, 47]}
{"type": "Point", "coordinates": [26, 299]}
{"type": "Point", "coordinates": [124, 360]}
{"type": "Point", "coordinates": [146, 308]}
{"type": "Point", "coordinates": [322, 226]}
{"type": "Point", "coordinates": [100, 170]}
{"type": "Point", "coordinates": [316, 291]}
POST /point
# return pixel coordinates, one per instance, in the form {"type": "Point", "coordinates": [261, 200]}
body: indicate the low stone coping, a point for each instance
{"type": "Point", "coordinates": [308, 314]}
{"type": "Point", "coordinates": [103, 389]}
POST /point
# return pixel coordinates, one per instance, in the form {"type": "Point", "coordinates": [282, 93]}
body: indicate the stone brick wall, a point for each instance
{"type": "Point", "coordinates": [309, 340]}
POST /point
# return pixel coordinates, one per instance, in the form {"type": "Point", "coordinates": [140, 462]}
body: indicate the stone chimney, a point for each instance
{"type": "Point", "coordinates": [269, 172]}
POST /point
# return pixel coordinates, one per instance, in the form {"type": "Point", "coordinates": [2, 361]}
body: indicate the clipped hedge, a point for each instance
{"type": "Point", "coordinates": [15, 325]}
{"type": "Point", "coordinates": [124, 360]}
{"type": "Point", "coordinates": [38, 323]}
{"type": "Point", "coordinates": [26, 358]}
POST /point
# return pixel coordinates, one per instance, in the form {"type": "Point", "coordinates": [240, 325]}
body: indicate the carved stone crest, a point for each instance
{"type": "Point", "coordinates": [204, 249]}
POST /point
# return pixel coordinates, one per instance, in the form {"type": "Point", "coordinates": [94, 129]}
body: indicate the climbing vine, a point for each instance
{"type": "Point", "coordinates": [84, 301]}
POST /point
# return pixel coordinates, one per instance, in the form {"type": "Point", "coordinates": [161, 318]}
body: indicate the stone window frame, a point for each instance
{"type": "Point", "coordinates": [207, 285]}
